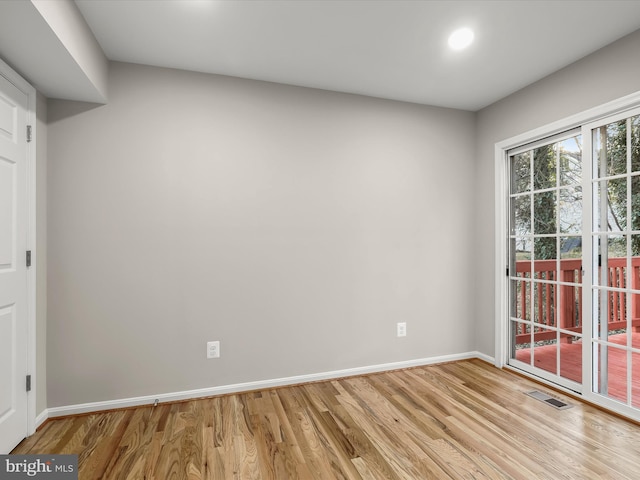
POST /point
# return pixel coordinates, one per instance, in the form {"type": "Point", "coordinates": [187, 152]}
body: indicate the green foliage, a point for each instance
{"type": "Point", "coordinates": [613, 161]}
{"type": "Point", "coordinates": [547, 183]}
{"type": "Point", "coordinates": [546, 203]}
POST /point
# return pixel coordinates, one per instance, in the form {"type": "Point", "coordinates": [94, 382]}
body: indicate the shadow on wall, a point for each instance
{"type": "Point", "coordinates": [66, 108]}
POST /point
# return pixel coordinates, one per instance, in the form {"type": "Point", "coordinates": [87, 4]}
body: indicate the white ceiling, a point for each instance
{"type": "Point", "coordinates": [389, 49]}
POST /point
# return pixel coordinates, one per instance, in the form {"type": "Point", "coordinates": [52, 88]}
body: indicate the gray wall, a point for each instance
{"type": "Point", "coordinates": [296, 226]}
{"type": "Point", "coordinates": [606, 75]}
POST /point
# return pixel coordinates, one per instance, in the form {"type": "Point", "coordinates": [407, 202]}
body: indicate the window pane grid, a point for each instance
{"type": "Point", "coordinates": [617, 269]}
{"type": "Point", "coordinates": [545, 236]}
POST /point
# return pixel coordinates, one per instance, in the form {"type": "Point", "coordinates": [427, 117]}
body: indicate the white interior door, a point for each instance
{"type": "Point", "coordinates": [13, 270]}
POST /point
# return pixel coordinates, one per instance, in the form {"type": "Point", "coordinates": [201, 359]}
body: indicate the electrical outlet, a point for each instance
{"type": "Point", "coordinates": [213, 349]}
{"type": "Point", "coordinates": [402, 329]}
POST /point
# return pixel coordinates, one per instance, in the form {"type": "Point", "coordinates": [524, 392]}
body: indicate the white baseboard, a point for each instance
{"type": "Point", "coordinates": [485, 357]}
{"type": "Point", "coordinates": [257, 385]}
{"type": "Point", "coordinates": [40, 419]}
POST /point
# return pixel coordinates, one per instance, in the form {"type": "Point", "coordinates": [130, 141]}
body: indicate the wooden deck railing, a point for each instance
{"type": "Point", "coordinates": [563, 309]}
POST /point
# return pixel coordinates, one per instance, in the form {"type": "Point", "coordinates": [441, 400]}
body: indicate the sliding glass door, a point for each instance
{"type": "Point", "coordinates": [616, 261]}
{"type": "Point", "coordinates": [545, 258]}
{"type": "Point", "coordinates": [574, 260]}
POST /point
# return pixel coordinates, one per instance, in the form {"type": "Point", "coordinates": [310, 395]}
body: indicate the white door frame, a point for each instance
{"type": "Point", "coordinates": [501, 234]}
{"type": "Point", "coordinates": [7, 72]}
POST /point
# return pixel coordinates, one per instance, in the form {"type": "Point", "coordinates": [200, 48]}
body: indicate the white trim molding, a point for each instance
{"type": "Point", "coordinates": [42, 417]}
{"type": "Point", "coordinates": [256, 385]}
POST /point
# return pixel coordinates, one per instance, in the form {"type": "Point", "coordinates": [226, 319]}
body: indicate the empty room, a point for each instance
{"type": "Point", "coordinates": [318, 239]}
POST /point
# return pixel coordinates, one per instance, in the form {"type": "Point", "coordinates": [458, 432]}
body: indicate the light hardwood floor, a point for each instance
{"type": "Point", "coordinates": [457, 420]}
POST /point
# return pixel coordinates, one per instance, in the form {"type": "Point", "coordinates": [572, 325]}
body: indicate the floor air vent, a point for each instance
{"type": "Point", "coordinates": [554, 402]}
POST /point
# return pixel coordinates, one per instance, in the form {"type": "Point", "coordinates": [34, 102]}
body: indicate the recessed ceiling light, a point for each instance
{"type": "Point", "coordinates": [461, 38]}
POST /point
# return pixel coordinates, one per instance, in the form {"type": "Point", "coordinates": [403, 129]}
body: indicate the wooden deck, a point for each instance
{"type": "Point", "coordinates": [571, 365]}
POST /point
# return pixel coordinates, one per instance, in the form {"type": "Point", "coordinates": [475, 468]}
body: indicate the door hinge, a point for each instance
{"type": "Point", "coordinates": [28, 258]}
{"type": "Point", "coordinates": [28, 133]}
{"type": "Point", "coordinates": [507, 271]}
{"type": "Point", "coordinates": [28, 383]}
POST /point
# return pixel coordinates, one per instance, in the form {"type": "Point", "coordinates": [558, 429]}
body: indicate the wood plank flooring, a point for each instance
{"type": "Point", "coordinates": [464, 420]}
